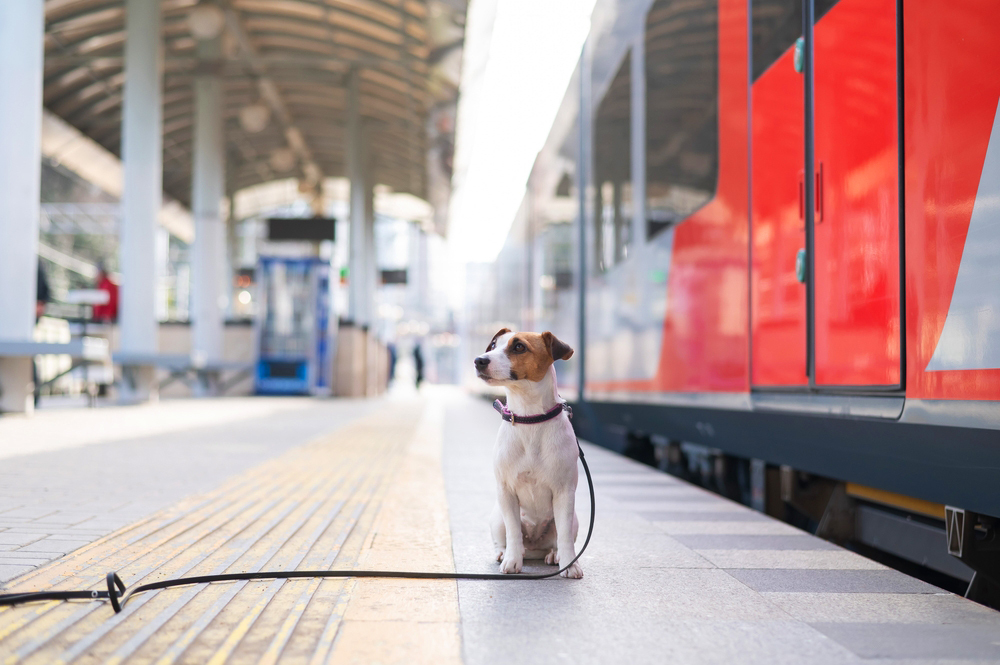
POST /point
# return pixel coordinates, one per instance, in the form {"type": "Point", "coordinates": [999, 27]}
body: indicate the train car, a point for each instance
{"type": "Point", "coordinates": [772, 230]}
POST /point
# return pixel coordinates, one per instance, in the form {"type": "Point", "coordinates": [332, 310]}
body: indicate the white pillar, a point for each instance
{"type": "Point", "coordinates": [142, 158]}
{"type": "Point", "coordinates": [586, 214]}
{"type": "Point", "coordinates": [208, 298]}
{"type": "Point", "coordinates": [370, 273]}
{"type": "Point", "coordinates": [371, 262]}
{"type": "Point", "coordinates": [638, 147]}
{"type": "Point", "coordinates": [357, 306]}
{"type": "Point", "coordinates": [418, 276]}
{"type": "Point", "coordinates": [22, 30]}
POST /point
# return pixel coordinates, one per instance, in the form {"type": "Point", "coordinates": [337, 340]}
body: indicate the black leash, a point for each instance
{"type": "Point", "coordinates": [119, 594]}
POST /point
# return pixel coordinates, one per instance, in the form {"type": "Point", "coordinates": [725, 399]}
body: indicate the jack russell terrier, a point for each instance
{"type": "Point", "coordinates": [535, 459]}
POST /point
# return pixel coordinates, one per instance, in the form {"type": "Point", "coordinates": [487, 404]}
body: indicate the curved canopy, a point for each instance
{"type": "Point", "coordinates": [293, 57]}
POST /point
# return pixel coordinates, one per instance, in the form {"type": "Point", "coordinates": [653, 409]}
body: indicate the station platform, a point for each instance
{"type": "Point", "coordinates": [673, 573]}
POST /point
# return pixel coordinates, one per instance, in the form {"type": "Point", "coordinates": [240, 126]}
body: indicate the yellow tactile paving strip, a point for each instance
{"type": "Point", "coordinates": [370, 495]}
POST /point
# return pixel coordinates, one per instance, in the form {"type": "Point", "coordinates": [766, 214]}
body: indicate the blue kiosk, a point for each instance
{"type": "Point", "coordinates": [295, 337]}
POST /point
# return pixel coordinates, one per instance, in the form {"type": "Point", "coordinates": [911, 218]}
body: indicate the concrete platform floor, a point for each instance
{"type": "Point", "coordinates": [674, 574]}
{"type": "Point", "coordinates": [70, 476]}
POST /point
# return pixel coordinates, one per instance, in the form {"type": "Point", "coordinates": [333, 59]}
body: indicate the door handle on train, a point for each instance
{"type": "Point", "coordinates": [818, 194]}
{"type": "Point", "coordinates": [800, 266]}
{"type": "Point", "coordinates": [802, 196]}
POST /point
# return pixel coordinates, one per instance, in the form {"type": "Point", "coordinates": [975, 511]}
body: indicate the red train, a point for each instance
{"type": "Point", "coordinates": [788, 218]}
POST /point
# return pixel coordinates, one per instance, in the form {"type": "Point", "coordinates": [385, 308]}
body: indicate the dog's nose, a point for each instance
{"type": "Point", "coordinates": [482, 362]}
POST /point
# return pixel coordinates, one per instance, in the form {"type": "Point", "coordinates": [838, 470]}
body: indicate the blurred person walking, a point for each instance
{"type": "Point", "coordinates": [42, 293]}
{"type": "Point", "coordinates": [392, 361]}
{"type": "Point", "coordinates": [418, 360]}
{"type": "Point", "coordinates": [108, 312]}
{"type": "Point", "coordinates": [42, 296]}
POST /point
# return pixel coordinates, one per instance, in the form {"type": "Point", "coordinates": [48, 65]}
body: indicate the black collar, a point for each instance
{"type": "Point", "coordinates": [515, 419]}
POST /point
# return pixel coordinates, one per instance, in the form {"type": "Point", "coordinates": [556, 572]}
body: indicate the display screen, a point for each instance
{"type": "Point", "coordinates": [298, 228]}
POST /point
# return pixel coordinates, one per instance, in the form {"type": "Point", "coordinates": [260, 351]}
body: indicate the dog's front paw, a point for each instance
{"type": "Point", "coordinates": [510, 565]}
{"type": "Point", "coordinates": [574, 572]}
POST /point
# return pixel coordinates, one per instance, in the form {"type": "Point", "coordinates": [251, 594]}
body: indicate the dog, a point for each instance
{"type": "Point", "coordinates": [535, 464]}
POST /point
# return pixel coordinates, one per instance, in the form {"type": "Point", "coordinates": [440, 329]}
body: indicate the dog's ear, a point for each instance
{"type": "Point", "coordinates": [502, 331]}
{"type": "Point", "coordinates": [558, 349]}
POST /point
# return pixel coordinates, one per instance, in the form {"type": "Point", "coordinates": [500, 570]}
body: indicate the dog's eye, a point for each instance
{"type": "Point", "coordinates": [491, 346]}
{"type": "Point", "coordinates": [519, 348]}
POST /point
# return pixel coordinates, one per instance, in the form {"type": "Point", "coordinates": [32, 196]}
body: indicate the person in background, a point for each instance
{"type": "Point", "coordinates": [392, 360]}
{"type": "Point", "coordinates": [418, 360]}
{"type": "Point", "coordinates": [42, 296]}
{"type": "Point", "coordinates": [107, 313]}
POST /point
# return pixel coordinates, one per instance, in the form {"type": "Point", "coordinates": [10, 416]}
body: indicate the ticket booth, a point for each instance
{"type": "Point", "coordinates": [295, 337]}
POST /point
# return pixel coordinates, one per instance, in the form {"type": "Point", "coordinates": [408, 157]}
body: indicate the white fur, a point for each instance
{"type": "Point", "coordinates": [498, 371]}
{"type": "Point", "coordinates": [536, 473]}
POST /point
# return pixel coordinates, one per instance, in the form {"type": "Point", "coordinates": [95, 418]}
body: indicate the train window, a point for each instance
{"type": "Point", "coordinates": [821, 7]}
{"type": "Point", "coordinates": [682, 118]}
{"type": "Point", "coordinates": [776, 26]}
{"type": "Point", "coordinates": [565, 187]}
{"type": "Point", "coordinates": [613, 170]}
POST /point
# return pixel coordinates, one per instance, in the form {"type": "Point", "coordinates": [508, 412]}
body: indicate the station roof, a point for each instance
{"type": "Point", "coordinates": [293, 57]}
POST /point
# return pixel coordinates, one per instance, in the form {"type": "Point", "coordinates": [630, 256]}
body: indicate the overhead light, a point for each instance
{"type": "Point", "coordinates": [254, 118]}
{"type": "Point", "coordinates": [312, 173]}
{"type": "Point", "coordinates": [282, 159]}
{"type": "Point", "coordinates": [205, 20]}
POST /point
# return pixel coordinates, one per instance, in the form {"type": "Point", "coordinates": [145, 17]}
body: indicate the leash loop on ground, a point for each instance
{"type": "Point", "coordinates": [114, 581]}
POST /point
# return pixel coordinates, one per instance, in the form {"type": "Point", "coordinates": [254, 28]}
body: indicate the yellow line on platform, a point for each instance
{"type": "Point", "coordinates": [406, 621]}
{"type": "Point", "coordinates": [369, 495]}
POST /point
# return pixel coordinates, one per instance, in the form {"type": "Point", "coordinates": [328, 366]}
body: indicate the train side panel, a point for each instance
{"type": "Point", "coordinates": [730, 324]}
{"type": "Point", "coordinates": [704, 343]}
{"type": "Point", "coordinates": [952, 165]}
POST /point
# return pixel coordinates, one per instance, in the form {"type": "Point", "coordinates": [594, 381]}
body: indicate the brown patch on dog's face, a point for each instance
{"type": "Point", "coordinates": [531, 354]}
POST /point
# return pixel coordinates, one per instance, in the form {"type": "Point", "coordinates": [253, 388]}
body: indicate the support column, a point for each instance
{"type": "Point", "coordinates": [371, 277]}
{"type": "Point", "coordinates": [371, 261]}
{"type": "Point", "coordinates": [142, 158]}
{"type": "Point", "coordinates": [207, 191]}
{"type": "Point", "coordinates": [357, 305]}
{"type": "Point", "coordinates": [22, 30]}
{"type": "Point", "coordinates": [637, 237]}
{"type": "Point", "coordinates": [585, 216]}
{"type": "Point", "coordinates": [422, 276]}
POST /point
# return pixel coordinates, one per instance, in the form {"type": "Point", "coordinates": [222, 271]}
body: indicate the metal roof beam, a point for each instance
{"type": "Point", "coordinates": [272, 96]}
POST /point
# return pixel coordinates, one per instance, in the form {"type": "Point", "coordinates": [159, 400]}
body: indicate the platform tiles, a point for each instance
{"type": "Point", "coordinates": [674, 574]}
{"type": "Point", "coordinates": [369, 495]}
{"type": "Point", "coordinates": [70, 477]}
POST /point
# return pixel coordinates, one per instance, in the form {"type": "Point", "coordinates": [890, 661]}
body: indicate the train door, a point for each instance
{"type": "Point", "coordinates": [778, 231]}
{"type": "Point", "coordinates": [856, 290]}
{"type": "Point", "coordinates": [836, 223]}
